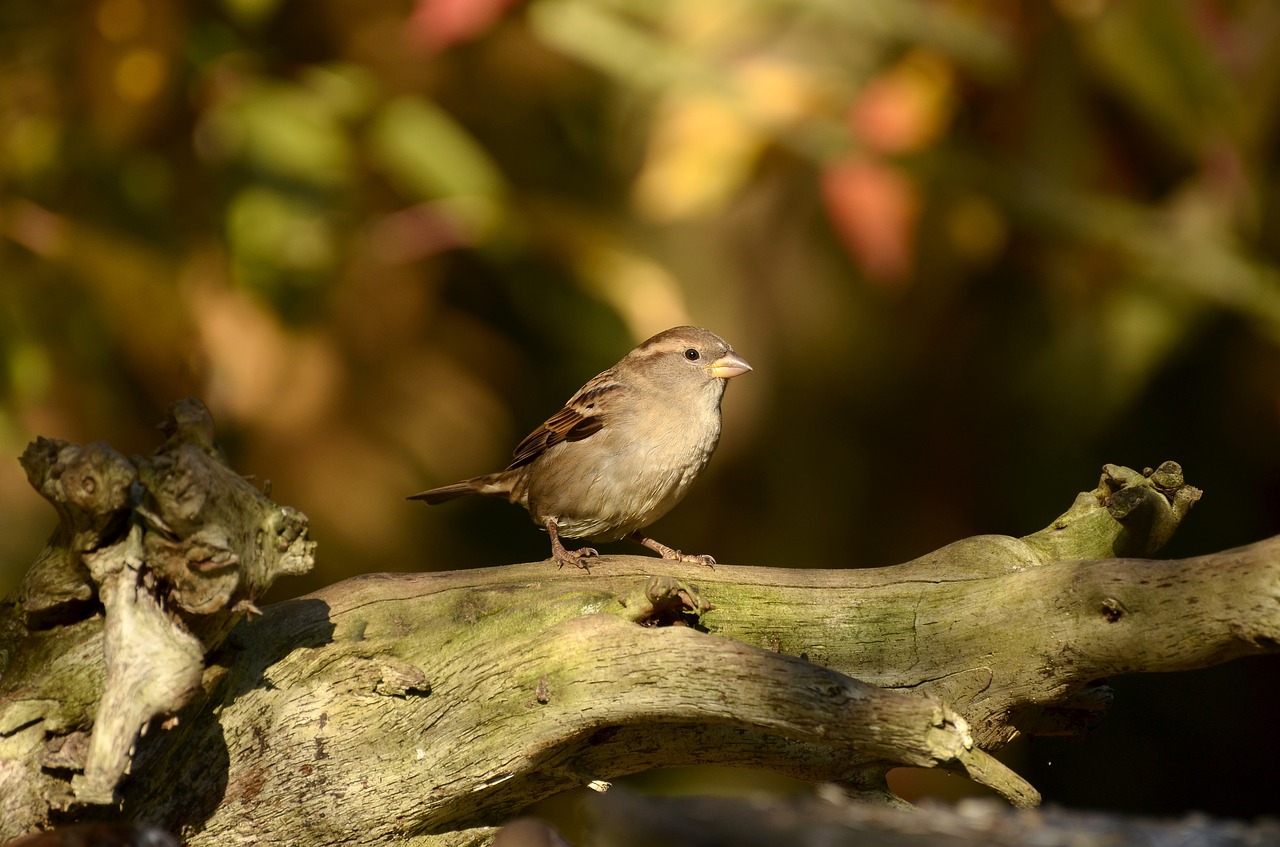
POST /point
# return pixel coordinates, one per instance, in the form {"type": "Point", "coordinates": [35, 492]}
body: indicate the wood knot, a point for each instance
{"type": "Point", "coordinates": [1112, 609]}
{"type": "Point", "coordinates": [673, 602]}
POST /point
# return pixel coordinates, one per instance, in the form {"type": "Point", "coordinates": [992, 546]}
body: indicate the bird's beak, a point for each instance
{"type": "Point", "coordinates": [728, 366]}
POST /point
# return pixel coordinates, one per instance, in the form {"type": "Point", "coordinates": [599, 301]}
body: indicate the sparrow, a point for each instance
{"type": "Point", "coordinates": [624, 449]}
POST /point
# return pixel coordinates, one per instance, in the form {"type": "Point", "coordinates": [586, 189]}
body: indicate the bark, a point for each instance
{"type": "Point", "coordinates": [430, 708]}
{"type": "Point", "coordinates": [153, 562]}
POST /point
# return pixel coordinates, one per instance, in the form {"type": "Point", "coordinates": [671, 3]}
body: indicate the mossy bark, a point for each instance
{"type": "Point", "coordinates": [154, 560]}
{"type": "Point", "coordinates": [429, 708]}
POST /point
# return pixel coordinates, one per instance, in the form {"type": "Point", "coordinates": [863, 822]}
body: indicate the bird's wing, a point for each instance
{"type": "Point", "coordinates": [581, 417]}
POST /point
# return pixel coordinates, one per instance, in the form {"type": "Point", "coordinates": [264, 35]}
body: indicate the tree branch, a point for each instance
{"type": "Point", "coordinates": [456, 699]}
{"type": "Point", "coordinates": [153, 562]}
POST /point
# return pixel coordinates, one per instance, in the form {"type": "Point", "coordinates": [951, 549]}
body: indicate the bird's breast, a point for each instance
{"type": "Point", "coordinates": [623, 478]}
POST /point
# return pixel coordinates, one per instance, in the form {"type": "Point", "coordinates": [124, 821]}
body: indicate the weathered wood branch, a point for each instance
{"type": "Point", "coordinates": [458, 698]}
{"type": "Point", "coordinates": [153, 562]}
{"type": "Point", "coordinates": [430, 707]}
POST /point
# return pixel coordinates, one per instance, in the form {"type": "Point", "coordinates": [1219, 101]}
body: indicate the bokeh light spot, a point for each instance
{"type": "Point", "coordinates": [140, 74]}
{"type": "Point", "coordinates": [120, 20]}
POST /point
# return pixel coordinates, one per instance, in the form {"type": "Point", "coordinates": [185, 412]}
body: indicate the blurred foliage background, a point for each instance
{"type": "Point", "coordinates": [974, 250]}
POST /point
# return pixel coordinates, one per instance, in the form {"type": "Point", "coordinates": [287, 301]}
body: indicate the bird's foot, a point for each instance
{"type": "Point", "coordinates": [670, 552]}
{"type": "Point", "coordinates": [565, 556]}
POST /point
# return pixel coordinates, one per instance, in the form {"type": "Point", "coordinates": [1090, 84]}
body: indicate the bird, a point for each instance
{"type": "Point", "coordinates": [624, 449]}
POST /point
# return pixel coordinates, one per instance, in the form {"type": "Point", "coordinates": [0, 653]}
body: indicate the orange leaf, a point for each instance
{"type": "Point", "coordinates": [438, 25]}
{"type": "Point", "coordinates": [873, 208]}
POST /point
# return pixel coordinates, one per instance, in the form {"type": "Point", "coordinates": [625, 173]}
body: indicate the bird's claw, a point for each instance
{"type": "Point", "coordinates": [564, 557]}
{"type": "Point", "coordinates": [670, 552]}
{"type": "Point", "coordinates": [703, 559]}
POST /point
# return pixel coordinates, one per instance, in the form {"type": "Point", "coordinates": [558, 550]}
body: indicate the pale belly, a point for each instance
{"type": "Point", "coordinates": [625, 487]}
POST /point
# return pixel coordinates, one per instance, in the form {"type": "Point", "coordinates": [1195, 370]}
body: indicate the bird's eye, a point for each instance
{"type": "Point", "coordinates": [692, 355]}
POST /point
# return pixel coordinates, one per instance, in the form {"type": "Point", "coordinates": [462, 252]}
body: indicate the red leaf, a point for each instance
{"type": "Point", "coordinates": [873, 208]}
{"type": "Point", "coordinates": [438, 25]}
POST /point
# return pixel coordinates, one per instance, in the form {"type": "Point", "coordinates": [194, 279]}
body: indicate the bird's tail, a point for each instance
{"type": "Point", "coordinates": [491, 485]}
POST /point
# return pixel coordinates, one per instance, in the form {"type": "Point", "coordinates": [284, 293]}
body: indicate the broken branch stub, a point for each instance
{"type": "Point", "coordinates": [154, 560]}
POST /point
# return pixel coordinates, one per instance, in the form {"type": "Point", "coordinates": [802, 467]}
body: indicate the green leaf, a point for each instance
{"type": "Point", "coordinates": [430, 157]}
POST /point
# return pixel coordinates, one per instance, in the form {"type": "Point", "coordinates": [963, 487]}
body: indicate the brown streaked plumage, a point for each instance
{"type": "Point", "coordinates": [624, 449]}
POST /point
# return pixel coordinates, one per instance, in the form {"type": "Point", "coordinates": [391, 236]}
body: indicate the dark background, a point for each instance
{"type": "Point", "coordinates": [973, 250]}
